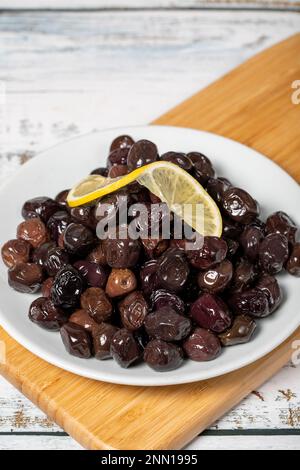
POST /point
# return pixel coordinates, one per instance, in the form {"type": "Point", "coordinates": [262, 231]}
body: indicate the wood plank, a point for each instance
{"type": "Point", "coordinates": [250, 107]}
{"type": "Point", "coordinates": [146, 4]}
{"type": "Point", "coordinates": [210, 398]}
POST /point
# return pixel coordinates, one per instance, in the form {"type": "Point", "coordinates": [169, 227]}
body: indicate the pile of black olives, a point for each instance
{"type": "Point", "coordinates": [150, 299]}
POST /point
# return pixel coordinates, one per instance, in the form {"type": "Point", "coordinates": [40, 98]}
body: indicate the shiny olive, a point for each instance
{"type": "Point", "coordinates": [244, 275]}
{"type": "Point", "coordinates": [217, 278]}
{"type": "Point", "coordinates": [42, 207]}
{"type": "Point", "coordinates": [211, 312]}
{"type": "Point", "coordinates": [78, 239]}
{"type": "Point", "coordinates": [61, 199]}
{"type": "Point", "coordinates": [141, 153]}
{"type": "Point", "coordinates": [121, 252]}
{"type": "Point", "coordinates": [121, 141]}
{"type": "Point", "coordinates": [280, 222]}
{"type": "Point", "coordinates": [82, 318]}
{"type": "Point", "coordinates": [58, 223]}
{"type": "Point", "coordinates": [47, 287]}
{"type": "Point", "coordinates": [102, 339]}
{"type": "Point", "coordinates": [120, 282]}
{"type": "Point", "coordinates": [154, 247]}
{"type": "Point", "coordinates": [216, 188]}
{"type": "Point", "coordinates": [269, 286]}
{"type": "Point", "coordinates": [213, 252]}
{"type": "Point", "coordinates": [14, 252]}
{"type": "Point", "coordinates": [173, 270]}
{"type": "Point", "coordinates": [25, 277]}
{"type": "Point", "coordinates": [179, 159]}
{"type": "Point", "coordinates": [118, 157]}
{"type": "Point", "coordinates": [231, 229]}
{"type": "Point", "coordinates": [67, 287]}
{"type": "Point", "coordinates": [84, 215]}
{"type": "Point", "coordinates": [250, 240]}
{"type": "Point", "coordinates": [203, 169]}
{"type": "Point", "coordinates": [202, 345]}
{"type": "Point", "coordinates": [273, 253]}
{"type": "Point", "coordinates": [97, 255]}
{"type": "Point", "coordinates": [39, 254]}
{"type": "Point", "coordinates": [102, 171]}
{"type": "Point", "coordinates": [45, 314]}
{"type": "Point", "coordinates": [76, 340]}
{"type": "Point", "coordinates": [239, 205]}
{"type": "Point", "coordinates": [253, 302]}
{"type": "Point", "coordinates": [93, 274]}
{"type": "Point", "coordinates": [240, 332]}
{"type": "Point", "coordinates": [148, 276]}
{"type": "Point", "coordinates": [33, 231]}
{"type": "Point", "coordinates": [163, 298]}
{"type": "Point", "coordinates": [97, 304]}
{"type": "Point", "coordinates": [162, 356]}
{"type": "Point", "coordinates": [133, 310]}
{"type": "Point", "coordinates": [167, 324]}
{"type": "Point", "coordinates": [117, 170]}
{"type": "Point", "coordinates": [56, 259]}
{"type": "Point", "coordinates": [293, 264]}
{"type": "Point", "coordinates": [124, 348]}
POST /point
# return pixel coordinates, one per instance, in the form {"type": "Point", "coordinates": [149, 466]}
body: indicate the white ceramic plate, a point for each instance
{"type": "Point", "coordinates": [65, 164]}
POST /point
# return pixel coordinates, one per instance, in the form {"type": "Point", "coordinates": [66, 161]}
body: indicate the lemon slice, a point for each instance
{"type": "Point", "coordinates": [173, 185]}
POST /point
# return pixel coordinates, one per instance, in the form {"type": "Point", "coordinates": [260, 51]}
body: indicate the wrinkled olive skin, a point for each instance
{"type": "Point", "coordinates": [239, 206]}
{"type": "Point", "coordinates": [14, 252]}
{"type": "Point", "coordinates": [45, 314]}
{"type": "Point", "coordinates": [78, 239]}
{"type": "Point", "coordinates": [202, 345]}
{"type": "Point", "coordinates": [56, 259]}
{"type": "Point", "coordinates": [121, 253]}
{"type": "Point", "coordinates": [213, 252]}
{"type": "Point", "coordinates": [154, 247]}
{"type": "Point", "coordinates": [133, 310]}
{"type": "Point", "coordinates": [244, 275]}
{"type": "Point", "coordinates": [250, 241]}
{"type": "Point", "coordinates": [102, 338]}
{"type": "Point", "coordinates": [216, 279]}
{"type": "Point", "coordinates": [281, 223]}
{"type": "Point", "coordinates": [141, 153]}
{"type": "Point", "coordinates": [97, 304]}
{"type": "Point", "coordinates": [273, 253]}
{"type": "Point", "coordinates": [124, 348]}
{"type": "Point", "coordinates": [33, 231]}
{"type": "Point", "coordinates": [162, 356]}
{"type": "Point", "coordinates": [42, 207]}
{"type": "Point", "coordinates": [76, 340]}
{"type": "Point", "coordinates": [93, 274]}
{"type": "Point", "coordinates": [168, 325]}
{"type": "Point", "coordinates": [211, 312]}
{"type": "Point", "coordinates": [148, 276]}
{"type": "Point", "coordinates": [293, 264]}
{"type": "Point", "coordinates": [163, 298]}
{"type": "Point", "coordinates": [25, 278]}
{"type": "Point", "coordinates": [203, 169]}
{"type": "Point", "coordinates": [179, 159]}
{"type": "Point", "coordinates": [57, 224]}
{"type": "Point", "coordinates": [67, 287]}
{"type": "Point", "coordinates": [120, 282]}
{"type": "Point", "coordinates": [240, 332]}
{"type": "Point", "coordinates": [173, 270]}
{"type": "Point", "coordinates": [269, 285]}
{"type": "Point", "coordinates": [253, 302]}
{"type": "Point", "coordinates": [122, 141]}
{"type": "Point", "coordinates": [216, 188]}
{"type": "Point", "coordinates": [83, 319]}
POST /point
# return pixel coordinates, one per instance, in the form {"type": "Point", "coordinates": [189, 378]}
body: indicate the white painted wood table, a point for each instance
{"type": "Point", "coordinates": [101, 64]}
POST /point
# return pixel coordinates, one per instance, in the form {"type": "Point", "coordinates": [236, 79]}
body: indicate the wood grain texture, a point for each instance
{"type": "Point", "coordinates": [258, 110]}
{"type": "Point", "coordinates": [211, 398]}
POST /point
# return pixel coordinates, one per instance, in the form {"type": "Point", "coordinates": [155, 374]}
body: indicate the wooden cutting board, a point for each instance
{"type": "Point", "coordinates": [252, 104]}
